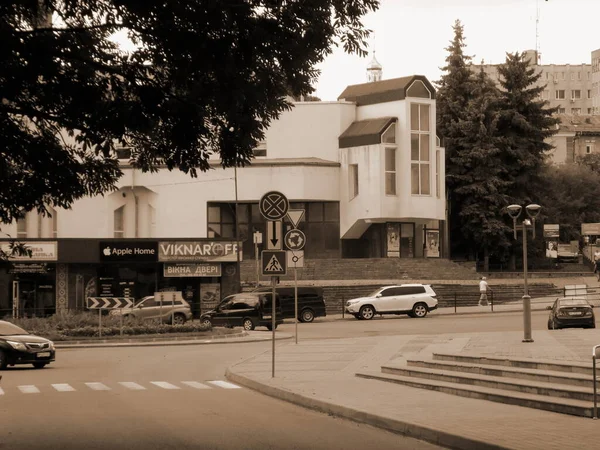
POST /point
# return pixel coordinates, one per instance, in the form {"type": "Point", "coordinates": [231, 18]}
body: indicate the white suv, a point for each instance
{"type": "Point", "coordinates": [416, 300]}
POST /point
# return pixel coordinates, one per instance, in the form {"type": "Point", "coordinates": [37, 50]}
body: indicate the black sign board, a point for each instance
{"type": "Point", "coordinates": [134, 251]}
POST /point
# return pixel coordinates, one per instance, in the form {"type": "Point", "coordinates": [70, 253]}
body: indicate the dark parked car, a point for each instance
{"type": "Point", "coordinates": [571, 312]}
{"type": "Point", "coordinates": [248, 310]}
{"type": "Point", "coordinates": [310, 302]}
{"type": "Point", "coordinates": [17, 346]}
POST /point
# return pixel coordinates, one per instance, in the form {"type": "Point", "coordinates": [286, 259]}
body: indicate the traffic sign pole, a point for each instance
{"type": "Point", "coordinates": [296, 299]}
{"type": "Point", "coordinates": [273, 323]}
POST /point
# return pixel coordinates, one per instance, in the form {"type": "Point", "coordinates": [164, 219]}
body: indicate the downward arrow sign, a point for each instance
{"type": "Point", "coordinates": [274, 240]}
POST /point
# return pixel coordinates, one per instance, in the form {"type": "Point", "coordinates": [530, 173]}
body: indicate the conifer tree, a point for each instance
{"type": "Point", "coordinates": [525, 122]}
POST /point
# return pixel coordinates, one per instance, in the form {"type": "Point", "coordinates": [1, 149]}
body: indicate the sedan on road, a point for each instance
{"type": "Point", "coordinates": [17, 346]}
{"type": "Point", "coordinates": [416, 300]}
{"type": "Point", "coordinates": [571, 312]}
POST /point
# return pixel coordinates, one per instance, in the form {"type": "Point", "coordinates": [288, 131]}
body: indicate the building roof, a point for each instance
{"type": "Point", "coordinates": [582, 124]}
{"type": "Point", "coordinates": [383, 91]}
{"type": "Point", "coordinates": [365, 132]}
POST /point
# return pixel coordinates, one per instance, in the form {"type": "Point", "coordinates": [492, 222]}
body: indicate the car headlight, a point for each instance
{"type": "Point", "coordinates": [51, 345]}
{"type": "Point", "coordinates": [352, 302]}
{"type": "Point", "coordinates": [17, 345]}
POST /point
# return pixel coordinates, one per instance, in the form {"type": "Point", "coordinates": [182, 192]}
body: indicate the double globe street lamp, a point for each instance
{"type": "Point", "coordinates": [532, 211]}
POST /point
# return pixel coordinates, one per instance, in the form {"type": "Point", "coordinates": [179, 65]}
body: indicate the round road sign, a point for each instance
{"type": "Point", "coordinates": [274, 205]}
{"type": "Point", "coordinates": [295, 239]}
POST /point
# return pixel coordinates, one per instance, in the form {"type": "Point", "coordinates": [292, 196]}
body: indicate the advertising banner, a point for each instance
{"type": "Point", "coordinates": [551, 230]}
{"type": "Point", "coordinates": [433, 243]}
{"type": "Point", "coordinates": [192, 270]}
{"type": "Point", "coordinates": [590, 229]}
{"type": "Point", "coordinates": [40, 251]}
{"type": "Point", "coordinates": [393, 240]}
{"type": "Point", "coordinates": [552, 249]}
{"type": "Point", "coordinates": [198, 251]}
{"type": "Point", "coordinates": [134, 251]}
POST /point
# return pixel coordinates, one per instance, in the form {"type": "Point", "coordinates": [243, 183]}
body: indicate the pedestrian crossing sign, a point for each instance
{"type": "Point", "coordinates": [274, 262]}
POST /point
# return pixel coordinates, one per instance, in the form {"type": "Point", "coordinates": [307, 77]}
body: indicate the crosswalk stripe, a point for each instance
{"type": "Point", "coordinates": [1, 391]}
{"type": "Point", "coordinates": [133, 386]}
{"type": "Point", "coordinates": [164, 385]}
{"type": "Point", "coordinates": [224, 384]}
{"type": "Point", "coordinates": [196, 385]}
{"type": "Point", "coordinates": [97, 386]}
{"type": "Point", "coordinates": [63, 387]}
{"type": "Point", "coordinates": [29, 389]}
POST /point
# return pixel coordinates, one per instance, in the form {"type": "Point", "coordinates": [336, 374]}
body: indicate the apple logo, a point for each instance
{"type": "Point", "coordinates": [106, 251]}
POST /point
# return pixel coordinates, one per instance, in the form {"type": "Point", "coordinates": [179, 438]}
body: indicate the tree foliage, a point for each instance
{"type": "Point", "coordinates": [206, 78]}
{"type": "Point", "coordinates": [525, 123]}
{"type": "Point", "coordinates": [571, 197]}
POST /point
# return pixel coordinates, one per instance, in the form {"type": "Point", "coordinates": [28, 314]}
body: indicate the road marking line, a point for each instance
{"type": "Point", "coordinates": [133, 386]}
{"type": "Point", "coordinates": [196, 385]}
{"type": "Point", "coordinates": [29, 389]}
{"type": "Point", "coordinates": [97, 386]}
{"type": "Point", "coordinates": [164, 385]}
{"type": "Point", "coordinates": [1, 391]}
{"type": "Point", "coordinates": [224, 384]}
{"type": "Point", "coordinates": [63, 387]}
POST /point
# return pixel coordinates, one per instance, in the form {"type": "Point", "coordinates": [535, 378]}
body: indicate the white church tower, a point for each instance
{"type": "Point", "coordinates": [374, 70]}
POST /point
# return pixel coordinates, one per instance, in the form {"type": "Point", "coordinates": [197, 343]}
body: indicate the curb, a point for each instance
{"type": "Point", "coordinates": [419, 432]}
{"type": "Point", "coordinates": [234, 339]}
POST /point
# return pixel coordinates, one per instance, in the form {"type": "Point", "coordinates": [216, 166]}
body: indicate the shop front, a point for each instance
{"type": "Point", "coordinates": [28, 282]}
{"type": "Point", "coordinates": [204, 270]}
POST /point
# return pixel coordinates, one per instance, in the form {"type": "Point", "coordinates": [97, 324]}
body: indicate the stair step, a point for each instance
{"type": "Point", "coordinates": [539, 364]}
{"type": "Point", "coordinates": [555, 404]}
{"type": "Point", "coordinates": [545, 376]}
{"type": "Point", "coordinates": [494, 382]}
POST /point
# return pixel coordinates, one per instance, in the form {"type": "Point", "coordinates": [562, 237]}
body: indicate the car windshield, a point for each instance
{"type": "Point", "coordinates": [573, 302]}
{"type": "Point", "coordinates": [9, 329]}
{"type": "Point", "coordinates": [374, 293]}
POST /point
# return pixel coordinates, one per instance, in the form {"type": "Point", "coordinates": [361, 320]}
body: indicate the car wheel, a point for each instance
{"type": "Point", "coordinates": [549, 325]}
{"type": "Point", "coordinates": [206, 322]}
{"type": "Point", "coordinates": [270, 327]}
{"type": "Point", "coordinates": [178, 319]}
{"type": "Point", "coordinates": [367, 312]}
{"type": "Point", "coordinates": [39, 365]}
{"type": "Point", "coordinates": [307, 316]}
{"type": "Point", "coordinates": [419, 310]}
{"type": "Point", "coordinates": [248, 325]}
{"type": "Point", "coordinates": [3, 361]}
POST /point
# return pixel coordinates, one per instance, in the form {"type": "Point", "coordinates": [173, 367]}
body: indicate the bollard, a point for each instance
{"type": "Point", "coordinates": [492, 297]}
{"type": "Point", "coordinates": [455, 303]}
{"type": "Point", "coordinates": [343, 306]}
{"type": "Point", "coordinates": [595, 352]}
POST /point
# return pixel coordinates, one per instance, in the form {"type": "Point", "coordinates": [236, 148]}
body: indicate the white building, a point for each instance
{"type": "Point", "coordinates": [367, 169]}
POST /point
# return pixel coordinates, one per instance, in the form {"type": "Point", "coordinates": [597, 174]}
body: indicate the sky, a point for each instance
{"type": "Point", "coordinates": [410, 37]}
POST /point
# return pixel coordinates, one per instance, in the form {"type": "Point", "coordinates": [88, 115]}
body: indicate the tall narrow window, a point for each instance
{"type": "Point", "coordinates": [52, 221]}
{"type": "Point", "coordinates": [119, 222]}
{"type": "Point", "coordinates": [390, 171]}
{"type": "Point", "coordinates": [22, 227]}
{"type": "Point", "coordinates": [437, 173]}
{"type": "Point", "coordinates": [152, 220]}
{"type": "Point", "coordinates": [353, 180]}
{"type": "Point", "coordinates": [419, 149]}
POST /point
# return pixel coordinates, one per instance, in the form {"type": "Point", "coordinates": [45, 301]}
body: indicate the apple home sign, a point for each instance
{"type": "Point", "coordinates": [128, 251]}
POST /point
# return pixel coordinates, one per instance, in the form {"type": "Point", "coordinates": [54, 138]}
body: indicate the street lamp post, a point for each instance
{"type": "Point", "coordinates": [532, 211]}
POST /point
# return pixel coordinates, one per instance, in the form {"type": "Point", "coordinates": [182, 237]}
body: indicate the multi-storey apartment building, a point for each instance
{"type": "Point", "coordinates": [568, 87]}
{"type": "Point", "coordinates": [367, 170]}
{"type": "Point", "coordinates": [596, 82]}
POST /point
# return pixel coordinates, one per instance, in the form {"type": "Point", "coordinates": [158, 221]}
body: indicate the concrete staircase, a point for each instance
{"type": "Point", "coordinates": [562, 387]}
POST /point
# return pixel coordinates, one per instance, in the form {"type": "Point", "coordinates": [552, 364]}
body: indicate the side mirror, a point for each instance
{"type": "Point", "coordinates": [548, 308]}
{"type": "Point", "coordinates": [378, 296]}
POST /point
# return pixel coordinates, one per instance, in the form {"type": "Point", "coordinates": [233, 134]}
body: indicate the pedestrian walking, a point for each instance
{"type": "Point", "coordinates": [597, 268]}
{"type": "Point", "coordinates": [483, 288]}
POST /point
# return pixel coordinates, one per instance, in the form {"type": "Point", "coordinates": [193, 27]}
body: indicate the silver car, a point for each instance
{"type": "Point", "coordinates": [176, 311]}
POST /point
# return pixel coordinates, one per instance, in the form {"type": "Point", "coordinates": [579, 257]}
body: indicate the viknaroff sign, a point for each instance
{"type": "Point", "coordinates": [218, 251]}
{"type": "Point", "coordinates": [192, 270]}
{"type": "Point", "coordinates": [40, 251]}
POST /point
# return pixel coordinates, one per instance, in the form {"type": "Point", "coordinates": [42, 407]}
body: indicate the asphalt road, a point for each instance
{"type": "Point", "coordinates": [403, 325]}
{"type": "Point", "coordinates": [162, 398]}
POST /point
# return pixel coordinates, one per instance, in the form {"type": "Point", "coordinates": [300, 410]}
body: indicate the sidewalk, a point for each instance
{"type": "Point", "coordinates": [321, 375]}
